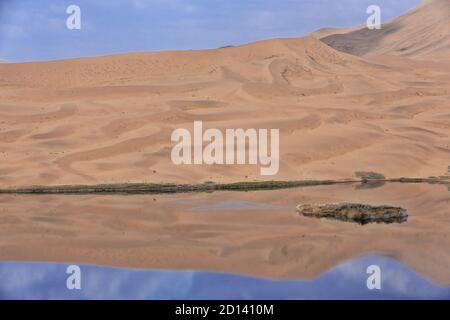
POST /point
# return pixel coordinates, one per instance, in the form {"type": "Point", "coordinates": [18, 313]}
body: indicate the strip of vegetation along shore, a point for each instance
{"type": "Point", "coordinates": [156, 188]}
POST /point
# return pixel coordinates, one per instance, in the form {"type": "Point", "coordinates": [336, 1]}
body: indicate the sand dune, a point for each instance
{"type": "Point", "coordinates": [325, 32]}
{"type": "Point", "coordinates": [424, 32]}
{"type": "Point", "coordinates": [109, 119]}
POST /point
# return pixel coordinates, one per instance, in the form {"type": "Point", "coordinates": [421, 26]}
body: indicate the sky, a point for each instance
{"type": "Point", "coordinates": [33, 30]}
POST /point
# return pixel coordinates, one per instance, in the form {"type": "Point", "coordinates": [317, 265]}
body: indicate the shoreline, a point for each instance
{"type": "Point", "coordinates": [165, 188]}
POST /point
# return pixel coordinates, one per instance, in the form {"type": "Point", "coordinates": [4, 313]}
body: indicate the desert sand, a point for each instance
{"type": "Point", "coordinates": [109, 119]}
{"type": "Point", "coordinates": [344, 101]}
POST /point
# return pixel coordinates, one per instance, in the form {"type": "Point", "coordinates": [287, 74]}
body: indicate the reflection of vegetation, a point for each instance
{"type": "Point", "coordinates": [370, 184]}
{"type": "Point", "coordinates": [430, 180]}
{"type": "Point", "coordinates": [209, 186]}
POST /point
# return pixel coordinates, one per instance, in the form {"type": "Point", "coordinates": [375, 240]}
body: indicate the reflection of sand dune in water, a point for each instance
{"type": "Point", "coordinates": [109, 119]}
{"type": "Point", "coordinates": [269, 240]}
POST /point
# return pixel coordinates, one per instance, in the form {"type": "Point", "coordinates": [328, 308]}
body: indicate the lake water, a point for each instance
{"type": "Point", "coordinates": [233, 245]}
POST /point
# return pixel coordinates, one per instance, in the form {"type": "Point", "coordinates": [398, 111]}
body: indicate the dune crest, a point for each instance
{"type": "Point", "coordinates": [423, 32]}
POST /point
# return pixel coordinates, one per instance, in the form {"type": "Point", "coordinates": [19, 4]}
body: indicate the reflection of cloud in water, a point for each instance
{"type": "Point", "coordinates": [346, 281]}
{"type": "Point", "coordinates": [117, 284]}
{"type": "Point", "coordinates": [396, 278]}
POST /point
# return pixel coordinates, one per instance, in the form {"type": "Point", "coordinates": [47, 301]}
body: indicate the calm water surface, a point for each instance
{"type": "Point", "coordinates": [225, 245]}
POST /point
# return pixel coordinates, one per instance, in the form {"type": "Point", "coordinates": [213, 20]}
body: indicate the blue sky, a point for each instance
{"type": "Point", "coordinates": [36, 30]}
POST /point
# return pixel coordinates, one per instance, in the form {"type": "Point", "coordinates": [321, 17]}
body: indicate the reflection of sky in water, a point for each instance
{"type": "Point", "coordinates": [346, 281]}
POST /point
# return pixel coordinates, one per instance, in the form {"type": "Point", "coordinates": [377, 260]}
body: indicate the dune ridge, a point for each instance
{"type": "Point", "coordinates": [423, 32]}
